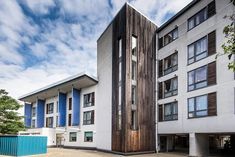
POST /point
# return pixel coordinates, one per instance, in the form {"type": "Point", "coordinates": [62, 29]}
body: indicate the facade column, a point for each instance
{"type": "Point", "coordinates": [198, 145]}
{"type": "Point", "coordinates": [76, 107]}
{"type": "Point", "coordinates": [27, 114]}
{"type": "Point", "coordinates": [62, 109]}
{"type": "Point", "coordinates": [40, 113]}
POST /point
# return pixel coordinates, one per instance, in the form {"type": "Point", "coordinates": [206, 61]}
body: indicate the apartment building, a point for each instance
{"type": "Point", "coordinates": [195, 90]}
{"type": "Point", "coordinates": [157, 88]}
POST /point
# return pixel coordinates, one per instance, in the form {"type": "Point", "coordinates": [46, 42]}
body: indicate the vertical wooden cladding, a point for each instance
{"type": "Point", "coordinates": [211, 76]}
{"type": "Point", "coordinates": [126, 24]}
{"type": "Point", "coordinates": [119, 31]}
{"type": "Point", "coordinates": [212, 107]}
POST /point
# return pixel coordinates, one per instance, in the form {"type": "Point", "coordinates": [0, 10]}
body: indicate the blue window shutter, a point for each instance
{"type": "Point", "coordinates": [76, 107]}
{"type": "Point", "coordinates": [62, 109]}
{"type": "Point", "coordinates": [27, 114]}
{"type": "Point", "coordinates": [40, 113]}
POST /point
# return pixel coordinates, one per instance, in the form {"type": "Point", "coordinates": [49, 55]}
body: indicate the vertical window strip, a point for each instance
{"type": "Point", "coordinates": [119, 108]}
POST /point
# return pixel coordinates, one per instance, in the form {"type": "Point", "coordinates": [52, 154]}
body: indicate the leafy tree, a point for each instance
{"type": "Point", "coordinates": [10, 120]}
{"type": "Point", "coordinates": [229, 45]}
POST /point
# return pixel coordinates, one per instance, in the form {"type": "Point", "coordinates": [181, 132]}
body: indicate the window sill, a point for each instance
{"type": "Point", "coordinates": [201, 88]}
{"type": "Point", "coordinates": [202, 116]}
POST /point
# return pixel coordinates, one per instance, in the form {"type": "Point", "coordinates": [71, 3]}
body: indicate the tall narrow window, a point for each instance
{"type": "Point", "coordinates": [134, 84]}
{"type": "Point", "coordinates": [33, 111]}
{"type": "Point", "coordinates": [119, 108]}
{"type": "Point", "coordinates": [70, 120]}
{"type": "Point", "coordinates": [49, 122]}
{"type": "Point", "coordinates": [89, 100]}
{"type": "Point", "coordinates": [70, 103]}
{"type": "Point", "coordinates": [50, 108]}
{"type": "Point", "coordinates": [171, 87]}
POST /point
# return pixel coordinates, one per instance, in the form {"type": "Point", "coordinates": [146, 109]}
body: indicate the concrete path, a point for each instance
{"type": "Point", "coordinates": [60, 152]}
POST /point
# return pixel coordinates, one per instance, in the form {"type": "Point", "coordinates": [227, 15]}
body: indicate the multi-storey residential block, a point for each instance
{"type": "Point", "coordinates": [157, 88]}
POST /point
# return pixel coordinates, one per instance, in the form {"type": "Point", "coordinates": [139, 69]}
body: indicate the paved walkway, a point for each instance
{"type": "Point", "coordinates": [60, 152]}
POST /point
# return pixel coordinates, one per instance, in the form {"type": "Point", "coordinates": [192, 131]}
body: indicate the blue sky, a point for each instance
{"type": "Point", "coordinates": [43, 41]}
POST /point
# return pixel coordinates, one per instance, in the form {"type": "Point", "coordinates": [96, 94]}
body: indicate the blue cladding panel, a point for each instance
{"type": "Point", "coordinates": [27, 114]}
{"type": "Point", "coordinates": [76, 106]}
{"type": "Point", "coordinates": [62, 109]}
{"type": "Point", "coordinates": [40, 113]}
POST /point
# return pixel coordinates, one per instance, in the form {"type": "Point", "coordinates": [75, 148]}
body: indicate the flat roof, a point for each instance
{"type": "Point", "coordinates": [182, 11]}
{"type": "Point", "coordinates": [78, 81]}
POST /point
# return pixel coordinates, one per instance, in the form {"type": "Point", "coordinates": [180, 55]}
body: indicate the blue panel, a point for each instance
{"type": "Point", "coordinates": [62, 109]}
{"type": "Point", "coordinates": [23, 145]}
{"type": "Point", "coordinates": [76, 107]}
{"type": "Point", "coordinates": [40, 113]}
{"type": "Point", "coordinates": [27, 114]}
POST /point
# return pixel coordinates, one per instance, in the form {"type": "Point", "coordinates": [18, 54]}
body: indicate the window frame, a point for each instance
{"type": "Point", "coordinates": [85, 137]}
{"type": "Point", "coordinates": [34, 111]}
{"type": "Point", "coordinates": [171, 68]}
{"type": "Point", "coordinates": [70, 104]}
{"type": "Point", "coordinates": [49, 109]}
{"type": "Point", "coordinates": [171, 115]}
{"type": "Point", "coordinates": [164, 36]}
{"type": "Point", "coordinates": [194, 18]}
{"type": "Point", "coordinates": [195, 107]}
{"type": "Point", "coordinates": [173, 92]}
{"type": "Point", "coordinates": [194, 51]}
{"type": "Point", "coordinates": [90, 102]}
{"type": "Point", "coordinates": [87, 121]}
{"type": "Point", "coordinates": [33, 125]}
{"type": "Point", "coordinates": [71, 138]}
{"type": "Point", "coordinates": [48, 125]}
{"type": "Point", "coordinates": [194, 76]}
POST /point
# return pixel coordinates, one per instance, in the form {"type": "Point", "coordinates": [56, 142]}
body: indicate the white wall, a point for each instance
{"type": "Point", "coordinates": [224, 121]}
{"type": "Point", "coordinates": [104, 90]}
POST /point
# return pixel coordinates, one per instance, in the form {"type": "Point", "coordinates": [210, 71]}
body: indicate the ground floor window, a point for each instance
{"type": "Point", "coordinates": [72, 137]}
{"type": "Point", "coordinates": [88, 136]}
{"type": "Point", "coordinates": [49, 122]}
{"type": "Point", "coordinates": [33, 123]}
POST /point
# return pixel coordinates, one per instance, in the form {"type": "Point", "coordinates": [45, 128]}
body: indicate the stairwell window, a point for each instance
{"type": "Point", "coordinates": [119, 107]}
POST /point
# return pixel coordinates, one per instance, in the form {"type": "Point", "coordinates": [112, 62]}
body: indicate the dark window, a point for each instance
{"type": "Point", "coordinates": [171, 63]}
{"type": "Point", "coordinates": [57, 107]}
{"type": "Point", "coordinates": [171, 87]}
{"type": "Point", "coordinates": [89, 99]}
{"type": "Point", "coordinates": [50, 108]}
{"type": "Point", "coordinates": [70, 120]}
{"type": "Point", "coordinates": [33, 123]}
{"type": "Point", "coordinates": [33, 111]}
{"type": "Point", "coordinates": [168, 38]}
{"type": "Point", "coordinates": [202, 15]}
{"type": "Point", "coordinates": [49, 122]}
{"type": "Point", "coordinates": [197, 78]}
{"type": "Point", "coordinates": [198, 106]}
{"type": "Point", "coordinates": [88, 118]}
{"type": "Point", "coordinates": [160, 113]}
{"type": "Point", "coordinates": [72, 137]}
{"type": "Point", "coordinates": [171, 111]}
{"type": "Point", "coordinates": [133, 70]}
{"type": "Point", "coordinates": [160, 68]}
{"type": "Point", "coordinates": [57, 121]}
{"type": "Point", "coordinates": [88, 136]}
{"type": "Point", "coordinates": [134, 119]}
{"type": "Point", "coordinates": [70, 103]}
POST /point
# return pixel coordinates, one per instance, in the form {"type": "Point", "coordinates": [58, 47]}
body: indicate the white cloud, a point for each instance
{"type": "Point", "coordinates": [64, 48]}
{"type": "Point", "coordinates": [40, 6]}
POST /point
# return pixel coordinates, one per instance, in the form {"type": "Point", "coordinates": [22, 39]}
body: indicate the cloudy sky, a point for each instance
{"type": "Point", "coordinates": [43, 41]}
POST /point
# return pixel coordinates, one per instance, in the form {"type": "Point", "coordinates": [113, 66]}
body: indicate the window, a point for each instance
{"type": "Point", "coordinates": [171, 63]}
{"type": "Point", "coordinates": [202, 15]}
{"type": "Point", "coordinates": [69, 119]}
{"type": "Point", "coordinates": [33, 111]}
{"type": "Point", "coordinates": [134, 46]}
{"type": "Point", "coordinates": [88, 118]}
{"type": "Point", "coordinates": [133, 95]}
{"type": "Point", "coordinates": [89, 99]}
{"type": "Point", "coordinates": [168, 38]}
{"type": "Point", "coordinates": [50, 108]}
{"type": "Point", "coordinates": [171, 87]}
{"type": "Point", "coordinates": [49, 122]}
{"type": "Point", "coordinates": [133, 119]}
{"type": "Point", "coordinates": [70, 103]}
{"type": "Point", "coordinates": [72, 137]}
{"type": "Point", "coordinates": [88, 136]}
{"type": "Point", "coordinates": [198, 106]}
{"type": "Point", "coordinates": [134, 69]}
{"type": "Point", "coordinates": [119, 107]}
{"type": "Point", "coordinates": [197, 50]}
{"type": "Point", "coordinates": [33, 123]}
{"type": "Point", "coordinates": [171, 111]}
{"type": "Point", "coordinates": [197, 78]}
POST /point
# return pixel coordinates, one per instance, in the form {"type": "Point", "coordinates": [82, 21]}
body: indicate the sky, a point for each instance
{"type": "Point", "coordinates": [44, 41]}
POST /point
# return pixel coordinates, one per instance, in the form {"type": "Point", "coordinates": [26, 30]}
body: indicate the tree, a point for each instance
{"type": "Point", "coordinates": [10, 120]}
{"type": "Point", "coordinates": [229, 45]}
